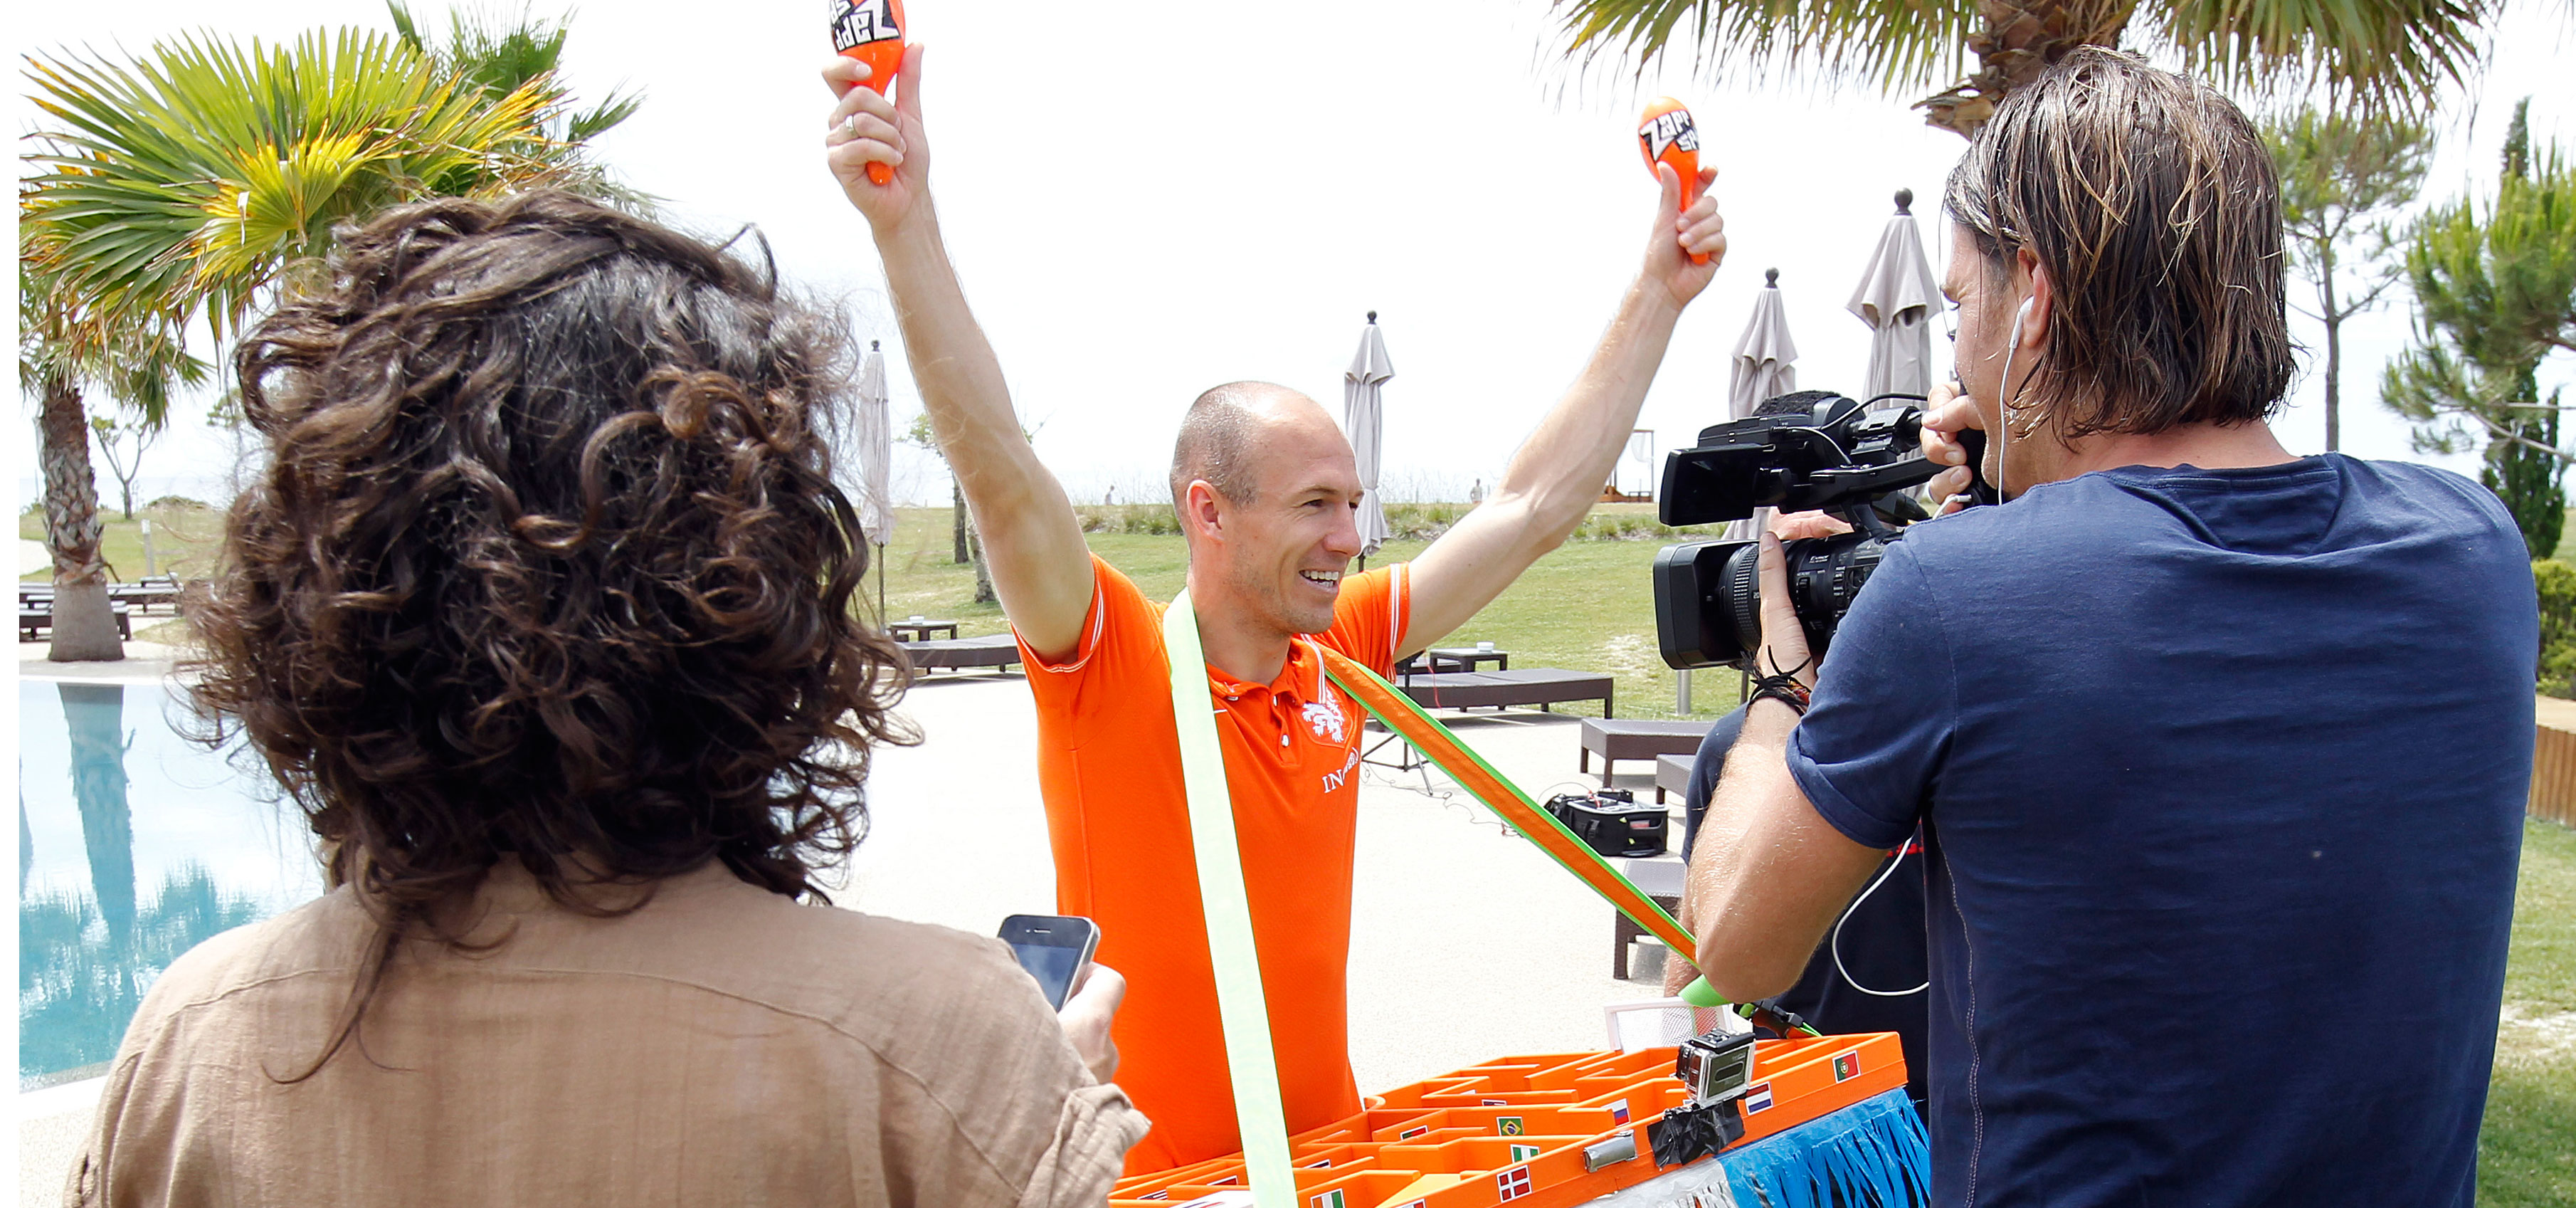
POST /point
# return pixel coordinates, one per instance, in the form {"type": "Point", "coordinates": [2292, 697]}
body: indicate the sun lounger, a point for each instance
{"type": "Point", "coordinates": [147, 592]}
{"type": "Point", "coordinates": [36, 617]}
{"type": "Point", "coordinates": [1672, 775]}
{"type": "Point", "coordinates": [1617, 740]}
{"type": "Point", "coordinates": [1541, 686]}
{"type": "Point", "coordinates": [999, 652]}
{"type": "Point", "coordinates": [1658, 877]}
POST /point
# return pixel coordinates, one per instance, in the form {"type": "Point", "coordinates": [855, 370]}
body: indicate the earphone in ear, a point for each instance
{"type": "Point", "coordinates": [2004, 393]}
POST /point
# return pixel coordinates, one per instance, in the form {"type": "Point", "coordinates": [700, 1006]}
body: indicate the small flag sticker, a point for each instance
{"type": "Point", "coordinates": [1757, 1097]}
{"type": "Point", "coordinates": [1498, 1103]}
{"type": "Point", "coordinates": [1619, 1112]}
{"type": "Point", "coordinates": [1509, 1126]}
{"type": "Point", "coordinates": [1523, 1153]}
{"type": "Point", "coordinates": [1411, 1133]}
{"type": "Point", "coordinates": [1846, 1066]}
{"type": "Point", "coordinates": [1330, 1199]}
{"type": "Point", "coordinates": [1324, 1164]}
{"type": "Point", "coordinates": [1512, 1184]}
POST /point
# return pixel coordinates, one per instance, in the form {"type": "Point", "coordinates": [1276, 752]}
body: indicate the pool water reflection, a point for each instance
{"type": "Point", "coordinates": [135, 844]}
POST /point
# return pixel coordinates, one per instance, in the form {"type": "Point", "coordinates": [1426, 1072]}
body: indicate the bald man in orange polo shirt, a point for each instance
{"type": "Point", "coordinates": [1267, 493]}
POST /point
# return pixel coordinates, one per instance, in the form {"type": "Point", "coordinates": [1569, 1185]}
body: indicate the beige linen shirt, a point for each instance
{"type": "Point", "coordinates": [722, 1045]}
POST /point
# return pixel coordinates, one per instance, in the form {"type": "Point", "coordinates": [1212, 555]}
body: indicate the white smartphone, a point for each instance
{"type": "Point", "coordinates": [1053, 948]}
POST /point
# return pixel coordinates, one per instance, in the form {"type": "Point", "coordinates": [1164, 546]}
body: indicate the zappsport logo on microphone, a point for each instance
{"type": "Point", "coordinates": [859, 22]}
{"type": "Point", "coordinates": [1669, 130]}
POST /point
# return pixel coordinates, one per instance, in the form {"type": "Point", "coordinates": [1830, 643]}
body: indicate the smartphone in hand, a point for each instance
{"type": "Point", "coordinates": [1053, 948]}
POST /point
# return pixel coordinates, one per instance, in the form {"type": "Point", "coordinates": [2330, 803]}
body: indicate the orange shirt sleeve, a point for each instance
{"type": "Point", "coordinates": [1122, 628]}
{"type": "Point", "coordinates": [1370, 616]}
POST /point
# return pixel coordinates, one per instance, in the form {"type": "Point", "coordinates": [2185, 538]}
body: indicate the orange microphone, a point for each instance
{"type": "Point", "coordinates": [871, 31]}
{"type": "Point", "coordinates": [1666, 134]}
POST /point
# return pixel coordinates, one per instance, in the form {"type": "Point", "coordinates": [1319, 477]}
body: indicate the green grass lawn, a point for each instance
{"type": "Point", "coordinates": [2527, 1152]}
{"type": "Point", "coordinates": [183, 541]}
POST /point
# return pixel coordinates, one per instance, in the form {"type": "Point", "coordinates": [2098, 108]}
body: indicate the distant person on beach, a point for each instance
{"type": "Point", "coordinates": [542, 612]}
{"type": "Point", "coordinates": [1267, 491]}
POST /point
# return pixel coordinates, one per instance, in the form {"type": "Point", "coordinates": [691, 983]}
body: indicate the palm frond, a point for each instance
{"type": "Point", "coordinates": [1889, 44]}
{"type": "Point", "coordinates": [2384, 54]}
{"type": "Point", "coordinates": [193, 179]}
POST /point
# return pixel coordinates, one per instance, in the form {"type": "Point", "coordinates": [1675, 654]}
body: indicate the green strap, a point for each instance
{"type": "Point", "coordinates": [1446, 751]}
{"type": "Point", "coordinates": [1245, 1014]}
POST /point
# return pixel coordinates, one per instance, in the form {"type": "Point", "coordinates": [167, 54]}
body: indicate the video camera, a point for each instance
{"type": "Point", "coordinates": [1810, 451]}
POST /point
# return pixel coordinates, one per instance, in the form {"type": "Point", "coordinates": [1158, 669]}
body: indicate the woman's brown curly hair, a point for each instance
{"type": "Point", "coordinates": [547, 561]}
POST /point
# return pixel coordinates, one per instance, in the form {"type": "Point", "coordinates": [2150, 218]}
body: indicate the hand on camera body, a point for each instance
{"type": "Point", "coordinates": [1946, 414]}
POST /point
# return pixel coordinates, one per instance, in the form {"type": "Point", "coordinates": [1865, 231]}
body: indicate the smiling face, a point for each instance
{"type": "Point", "coordinates": [1276, 560]}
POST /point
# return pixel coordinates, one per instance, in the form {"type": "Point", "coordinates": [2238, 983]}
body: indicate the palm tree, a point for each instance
{"type": "Point", "coordinates": [194, 183]}
{"type": "Point", "coordinates": [2383, 53]}
{"type": "Point", "coordinates": [502, 58]}
{"type": "Point", "coordinates": [62, 347]}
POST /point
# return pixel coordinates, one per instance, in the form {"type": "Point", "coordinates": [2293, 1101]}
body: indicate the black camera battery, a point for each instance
{"type": "Point", "coordinates": [1611, 822]}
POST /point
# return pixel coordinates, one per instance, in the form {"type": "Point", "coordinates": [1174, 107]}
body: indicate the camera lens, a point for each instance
{"type": "Point", "coordinates": [1825, 574]}
{"type": "Point", "coordinates": [1739, 587]}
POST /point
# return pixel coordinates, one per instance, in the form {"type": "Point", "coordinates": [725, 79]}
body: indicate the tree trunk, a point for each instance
{"type": "Point", "coordinates": [2334, 350]}
{"type": "Point", "coordinates": [983, 573]}
{"type": "Point", "coordinates": [962, 553]}
{"type": "Point", "coordinates": [2019, 40]}
{"type": "Point", "coordinates": [84, 626]}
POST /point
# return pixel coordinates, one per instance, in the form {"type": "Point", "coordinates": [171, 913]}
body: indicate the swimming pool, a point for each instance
{"type": "Point", "coordinates": [134, 845]}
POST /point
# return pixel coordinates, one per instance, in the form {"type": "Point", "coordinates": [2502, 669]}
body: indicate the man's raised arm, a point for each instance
{"type": "Point", "coordinates": [1032, 542]}
{"type": "Point", "coordinates": [1556, 475]}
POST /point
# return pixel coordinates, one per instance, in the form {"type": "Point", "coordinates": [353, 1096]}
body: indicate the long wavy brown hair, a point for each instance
{"type": "Point", "coordinates": [546, 561]}
{"type": "Point", "coordinates": [2151, 202]}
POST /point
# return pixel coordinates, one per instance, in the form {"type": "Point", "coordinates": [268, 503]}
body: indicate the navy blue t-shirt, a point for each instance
{"type": "Point", "coordinates": [2221, 774]}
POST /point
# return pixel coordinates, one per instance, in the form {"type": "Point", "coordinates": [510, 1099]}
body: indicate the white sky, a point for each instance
{"type": "Point", "coordinates": [1148, 199]}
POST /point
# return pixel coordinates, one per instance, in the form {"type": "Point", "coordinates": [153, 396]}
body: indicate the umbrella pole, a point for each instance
{"type": "Point", "coordinates": [881, 613]}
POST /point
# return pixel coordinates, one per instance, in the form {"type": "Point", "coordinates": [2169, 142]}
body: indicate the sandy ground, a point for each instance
{"type": "Point", "coordinates": [1467, 943]}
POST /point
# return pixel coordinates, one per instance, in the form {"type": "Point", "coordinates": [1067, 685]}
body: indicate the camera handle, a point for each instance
{"type": "Point", "coordinates": [1979, 490]}
{"type": "Point", "coordinates": [1863, 516]}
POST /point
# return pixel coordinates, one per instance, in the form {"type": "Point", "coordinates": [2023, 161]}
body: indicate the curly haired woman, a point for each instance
{"type": "Point", "coordinates": [541, 612]}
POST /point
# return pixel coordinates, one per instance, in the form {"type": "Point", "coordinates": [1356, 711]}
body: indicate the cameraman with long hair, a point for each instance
{"type": "Point", "coordinates": [2219, 754]}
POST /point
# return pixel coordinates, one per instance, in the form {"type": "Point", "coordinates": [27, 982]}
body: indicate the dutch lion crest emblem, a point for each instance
{"type": "Point", "coordinates": [1325, 718]}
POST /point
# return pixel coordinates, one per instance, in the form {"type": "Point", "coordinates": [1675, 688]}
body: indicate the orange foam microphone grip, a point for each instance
{"type": "Point", "coordinates": [871, 31]}
{"type": "Point", "coordinates": [1666, 134]}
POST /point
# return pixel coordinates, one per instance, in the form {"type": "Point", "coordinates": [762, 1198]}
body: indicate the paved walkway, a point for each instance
{"type": "Point", "coordinates": [1467, 944]}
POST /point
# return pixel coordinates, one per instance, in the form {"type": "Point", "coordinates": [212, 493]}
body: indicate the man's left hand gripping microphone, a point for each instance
{"type": "Point", "coordinates": [1666, 134]}
{"type": "Point", "coordinates": [871, 31]}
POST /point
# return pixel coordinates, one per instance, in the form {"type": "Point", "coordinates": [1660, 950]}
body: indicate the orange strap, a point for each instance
{"type": "Point", "coordinates": [1503, 797]}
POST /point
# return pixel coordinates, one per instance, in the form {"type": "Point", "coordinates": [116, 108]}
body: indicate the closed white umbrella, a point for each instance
{"type": "Point", "coordinates": [876, 462]}
{"type": "Point", "coordinates": [1764, 370]}
{"type": "Point", "coordinates": [1897, 297]}
{"type": "Point", "coordinates": [1765, 355]}
{"type": "Point", "coordinates": [1363, 417]}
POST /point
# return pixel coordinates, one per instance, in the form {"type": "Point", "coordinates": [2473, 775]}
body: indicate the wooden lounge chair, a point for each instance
{"type": "Point", "coordinates": [1658, 877]}
{"type": "Point", "coordinates": [147, 592]}
{"type": "Point", "coordinates": [36, 617]}
{"type": "Point", "coordinates": [1672, 774]}
{"type": "Point", "coordinates": [1541, 686]}
{"type": "Point", "coordinates": [1617, 740]}
{"type": "Point", "coordinates": [999, 652]}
